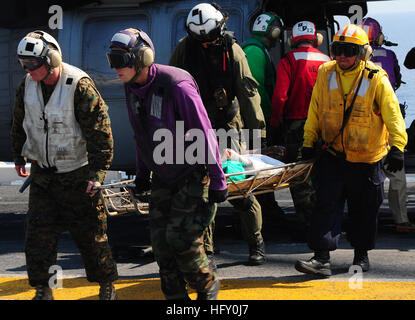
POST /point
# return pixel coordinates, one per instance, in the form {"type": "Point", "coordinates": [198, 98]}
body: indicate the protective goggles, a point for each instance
{"type": "Point", "coordinates": [347, 49]}
{"type": "Point", "coordinates": [120, 59]}
{"type": "Point", "coordinates": [31, 64]}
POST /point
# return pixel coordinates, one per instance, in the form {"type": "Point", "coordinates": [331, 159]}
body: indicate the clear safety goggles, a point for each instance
{"type": "Point", "coordinates": [347, 49]}
{"type": "Point", "coordinates": [31, 64]}
{"type": "Point", "coordinates": [120, 59]}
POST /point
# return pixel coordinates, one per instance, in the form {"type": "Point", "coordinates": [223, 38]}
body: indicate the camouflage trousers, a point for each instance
{"type": "Point", "coordinates": [303, 195]}
{"type": "Point", "coordinates": [58, 202]}
{"type": "Point", "coordinates": [179, 216]}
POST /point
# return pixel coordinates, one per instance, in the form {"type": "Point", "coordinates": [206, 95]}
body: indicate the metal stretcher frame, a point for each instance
{"type": "Point", "coordinates": [119, 198]}
{"type": "Point", "coordinates": [265, 181]}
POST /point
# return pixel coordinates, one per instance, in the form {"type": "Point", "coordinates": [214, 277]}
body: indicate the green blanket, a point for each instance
{"type": "Point", "coordinates": [230, 166]}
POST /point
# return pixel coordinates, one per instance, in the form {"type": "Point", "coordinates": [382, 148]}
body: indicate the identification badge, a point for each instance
{"type": "Point", "coordinates": [156, 106]}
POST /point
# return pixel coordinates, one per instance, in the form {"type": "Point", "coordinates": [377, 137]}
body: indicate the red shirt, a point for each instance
{"type": "Point", "coordinates": [296, 75]}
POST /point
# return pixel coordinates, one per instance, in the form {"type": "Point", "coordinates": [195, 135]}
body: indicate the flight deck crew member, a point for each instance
{"type": "Point", "coordinates": [387, 60]}
{"type": "Point", "coordinates": [183, 194]}
{"type": "Point", "coordinates": [266, 32]}
{"type": "Point", "coordinates": [61, 125]}
{"type": "Point", "coordinates": [296, 75]}
{"type": "Point", "coordinates": [230, 96]}
{"type": "Point", "coordinates": [350, 167]}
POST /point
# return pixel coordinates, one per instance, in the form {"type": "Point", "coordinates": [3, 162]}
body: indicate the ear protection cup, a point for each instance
{"type": "Point", "coordinates": [54, 57]}
{"type": "Point", "coordinates": [331, 51]}
{"type": "Point", "coordinates": [319, 40]}
{"type": "Point", "coordinates": [146, 56]}
{"type": "Point", "coordinates": [367, 51]}
{"type": "Point", "coordinates": [379, 39]}
{"type": "Point", "coordinates": [144, 53]}
{"type": "Point", "coordinates": [275, 32]}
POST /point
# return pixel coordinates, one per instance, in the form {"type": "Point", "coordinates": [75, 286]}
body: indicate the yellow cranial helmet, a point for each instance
{"type": "Point", "coordinates": [351, 33]}
{"type": "Point", "coordinates": [355, 38]}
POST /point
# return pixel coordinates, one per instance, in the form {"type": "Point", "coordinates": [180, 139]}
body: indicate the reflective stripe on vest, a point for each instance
{"type": "Point", "coordinates": [312, 56]}
{"type": "Point", "coordinates": [365, 136]}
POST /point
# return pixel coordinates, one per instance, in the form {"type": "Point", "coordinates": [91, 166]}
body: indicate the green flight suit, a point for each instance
{"type": "Point", "coordinates": [249, 116]}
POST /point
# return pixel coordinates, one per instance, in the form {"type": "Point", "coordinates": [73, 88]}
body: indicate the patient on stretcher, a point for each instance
{"type": "Point", "coordinates": [249, 164]}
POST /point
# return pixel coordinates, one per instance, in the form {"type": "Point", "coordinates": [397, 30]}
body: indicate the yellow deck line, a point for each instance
{"type": "Point", "coordinates": [149, 289]}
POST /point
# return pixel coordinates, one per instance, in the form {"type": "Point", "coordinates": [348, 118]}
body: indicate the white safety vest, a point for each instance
{"type": "Point", "coordinates": [54, 137]}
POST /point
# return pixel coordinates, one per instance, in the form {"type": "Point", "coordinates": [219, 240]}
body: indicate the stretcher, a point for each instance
{"type": "Point", "coordinates": [268, 180]}
{"type": "Point", "coordinates": [119, 198]}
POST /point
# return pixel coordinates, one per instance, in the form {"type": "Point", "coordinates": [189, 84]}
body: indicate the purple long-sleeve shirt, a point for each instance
{"type": "Point", "coordinates": [161, 113]}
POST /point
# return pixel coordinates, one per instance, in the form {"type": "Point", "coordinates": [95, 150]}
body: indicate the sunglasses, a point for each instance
{"type": "Point", "coordinates": [31, 64]}
{"type": "Point", "coordinates": [120, 59]}
{"type": "Point", "coordinates": [347, 49]}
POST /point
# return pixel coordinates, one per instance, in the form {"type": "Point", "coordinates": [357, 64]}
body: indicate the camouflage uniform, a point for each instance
{"type": "Point", "coordinates": [178, 217]}
{"type": "Point", "coordinates": [249, 116]}
{"type": "Point", "coordinates": [58, 202]}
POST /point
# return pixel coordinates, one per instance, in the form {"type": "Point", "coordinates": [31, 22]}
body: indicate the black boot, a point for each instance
{"type": "Point", "coordinates": [257, 253]}
{"type": "Point", "coordinates": [211, 293]}
{"type": "Point", "coordinates": [361, 259]}
{"type": "Point", "coordinates": [319, 264]}
{"type": "Point", "coordinates": [43, 293]}
{"type": "Point", "coordinates": [107, 291]}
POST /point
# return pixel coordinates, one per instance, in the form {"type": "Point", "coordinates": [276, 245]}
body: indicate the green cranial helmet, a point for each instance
{"type": "Point", "coordinates": [268, 24]}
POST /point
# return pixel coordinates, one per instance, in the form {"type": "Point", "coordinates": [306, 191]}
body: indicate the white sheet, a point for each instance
{"type": "Point", "coordinates": [254, 161]}
{"type": "Point", "coordinates": [260, 161]}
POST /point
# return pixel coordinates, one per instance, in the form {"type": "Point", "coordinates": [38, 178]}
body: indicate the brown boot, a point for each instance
{"type": "Point", "coordinates": [107, 291]}
{"type": "Point", "coordinates": [43, 293]}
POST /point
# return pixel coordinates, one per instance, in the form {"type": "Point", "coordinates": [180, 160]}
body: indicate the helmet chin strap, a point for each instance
{"type": "Point", "coordinates": [137, 73]}
{"type": "Point", "coordinates": [50, 73]}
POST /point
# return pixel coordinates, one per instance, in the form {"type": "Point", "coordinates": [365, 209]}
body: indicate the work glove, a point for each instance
{"type": "Point", "coordinates": [307, 153]}
{"type": "Point", "coordinates": [218, 196]}
{"type": "Point", "coordinates": [394, 160]}
{"type": "Point", "coordinates": [141, 187]}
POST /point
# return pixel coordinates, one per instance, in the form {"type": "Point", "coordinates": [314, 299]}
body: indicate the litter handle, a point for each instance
{"type": "Point", "coordinates": [25, 184]}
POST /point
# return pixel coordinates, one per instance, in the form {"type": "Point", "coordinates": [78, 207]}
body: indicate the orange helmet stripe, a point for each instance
{"type": "Point", "coordinates": [345, 30]}
{"type": "Point", "coordinates": [355, 33]}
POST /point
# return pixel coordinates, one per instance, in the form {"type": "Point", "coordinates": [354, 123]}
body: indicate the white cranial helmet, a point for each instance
{"type": "Point", "coordinates": [205, 22]}
{"type": "Point", "coordinates": [39, 44]}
